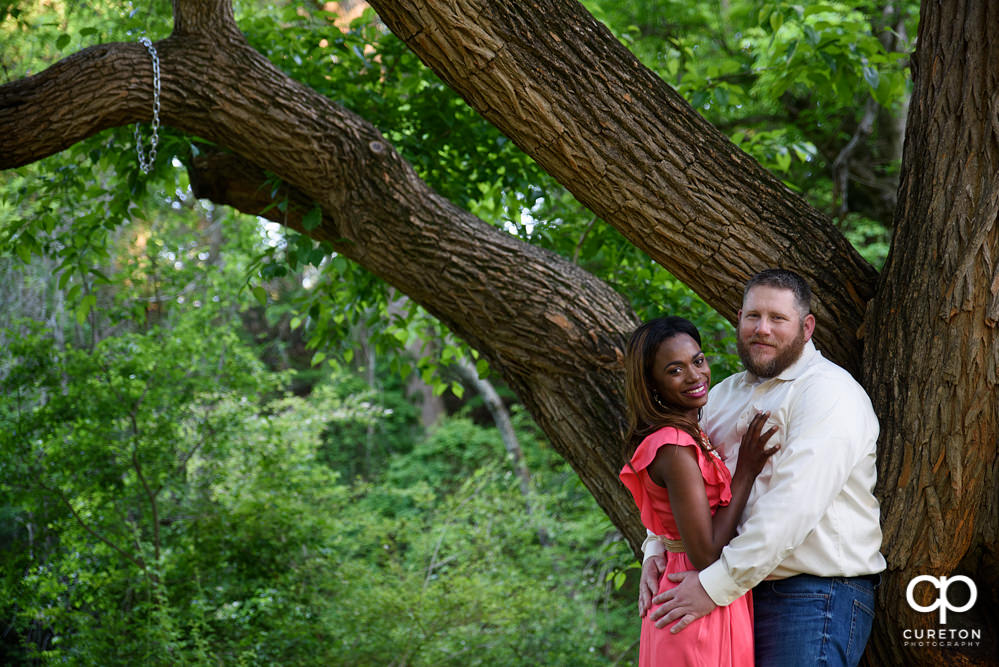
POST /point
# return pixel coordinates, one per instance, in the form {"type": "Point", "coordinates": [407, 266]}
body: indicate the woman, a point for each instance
{"type": "Point", "coordinates": [684, 492]}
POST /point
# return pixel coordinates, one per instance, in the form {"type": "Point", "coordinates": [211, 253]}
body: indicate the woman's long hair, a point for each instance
{"type": "Point", "coordinates": [646, 414]}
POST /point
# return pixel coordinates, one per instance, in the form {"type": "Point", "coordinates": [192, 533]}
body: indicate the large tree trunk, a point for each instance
{"type": "Point", "coordinates": [576, 100]}
{"type": "Point", "coordinates": [932, 351]}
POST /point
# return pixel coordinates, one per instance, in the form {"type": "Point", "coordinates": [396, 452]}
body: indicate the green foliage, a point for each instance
{"type": "Point", "coordinates": [869, 237]}
{"type": "Point", "coordinates": [789, 84]}
{"type": "Point", "coordinates": [370, 427]}
{"type": "Point", "coordinates": [445, 455]}
{"type": "Point", "coordinates": [827, 48]}
{"type": "Point", "coordinates": [179, 516]}
{"type": "Point", "coordinates": [36, 34]}
{"type": "Point", "coordinates": [97, 447]}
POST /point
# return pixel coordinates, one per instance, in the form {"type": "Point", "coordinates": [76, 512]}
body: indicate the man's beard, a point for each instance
{"type": "Point", "coordinates": [785, 357]}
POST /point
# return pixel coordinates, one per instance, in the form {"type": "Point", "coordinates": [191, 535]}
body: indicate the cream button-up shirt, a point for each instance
{"type": "Point", "coordinates": [812, 509]}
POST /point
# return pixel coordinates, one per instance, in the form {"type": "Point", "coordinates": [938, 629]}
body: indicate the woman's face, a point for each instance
{"type": "Point", "coordinates": [680, 374]}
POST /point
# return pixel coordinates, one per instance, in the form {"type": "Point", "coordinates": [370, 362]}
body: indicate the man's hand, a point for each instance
{"type": "Point", "coordinates": [648, 585]}
{"type": "Point", "coordinates": [687, 602]}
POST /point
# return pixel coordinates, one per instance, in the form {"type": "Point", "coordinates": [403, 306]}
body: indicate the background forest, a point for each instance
{"type": "Point", "coordinates": [222, 443]}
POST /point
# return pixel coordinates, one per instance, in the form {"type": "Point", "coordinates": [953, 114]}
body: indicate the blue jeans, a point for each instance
{"type": "Point", "coordinates": [807, 620]}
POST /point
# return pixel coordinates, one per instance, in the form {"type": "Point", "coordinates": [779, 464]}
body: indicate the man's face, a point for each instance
{"type": "Point", "coordinates": [772, 333]}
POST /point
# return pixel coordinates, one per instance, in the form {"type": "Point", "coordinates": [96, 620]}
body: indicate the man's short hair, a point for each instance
{"type": "Point", "coordinates": [783, 279]}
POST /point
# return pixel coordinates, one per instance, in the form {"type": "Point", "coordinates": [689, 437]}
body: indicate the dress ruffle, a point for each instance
{"type": "Point", "coordinates": [723, 638]}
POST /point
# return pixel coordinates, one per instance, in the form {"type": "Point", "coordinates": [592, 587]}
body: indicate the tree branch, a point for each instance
{"type": "Point", "coordinates": [593, 133]}
{"type": "Point", "coordinates": [841, 165]}
{"type": "Point", "coordinates": [89, 91]}
{"type": "Point", "coordinates": [543, 323]}
{"type": "Point", "coordinates": [571, 96]}
{"type": "Point", "coordinates": [135, 560]}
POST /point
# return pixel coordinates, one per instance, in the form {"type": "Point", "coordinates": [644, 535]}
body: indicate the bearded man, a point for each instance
{"type": "Point", "coordinates": [809, 539]}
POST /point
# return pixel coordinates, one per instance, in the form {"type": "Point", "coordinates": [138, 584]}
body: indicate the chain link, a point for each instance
{"type": "Point", "coordinates": [147, 165]}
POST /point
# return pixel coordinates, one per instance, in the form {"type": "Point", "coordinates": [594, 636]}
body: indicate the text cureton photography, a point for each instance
{"type": "Point", "coordinates": [941, 636]}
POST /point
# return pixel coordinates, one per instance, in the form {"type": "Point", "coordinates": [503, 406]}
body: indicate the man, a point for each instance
{"type": "Point", "coordinates": [810, 535]}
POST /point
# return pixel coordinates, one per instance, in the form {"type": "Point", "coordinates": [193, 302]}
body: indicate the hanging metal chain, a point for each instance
{"type": "Point", "coordinates": [147, 165]}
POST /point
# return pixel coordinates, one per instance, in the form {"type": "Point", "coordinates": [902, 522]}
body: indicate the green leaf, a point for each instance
{"type": "Point", "coordinates": [83, 308]}
{"type": "Point", "coordinates": [313, 218]}
{"type": "Point", "coordinates": [23, 252]}
{"type": "Point", "coordinates": [100, 276]}
{"type": "Point", "coordinates": [316, 256]}
{"type": "Point", "coordinates": [776, 21]}
{"type": "Point", "coordinates": [792, 46]}
{"type": "Point", "coordinates": [721, 96]}
{"type": "Point", "coordinates": [804, 152]}
{"type": "Point", "coordinates": [783, 158]}
{"type": "Point", "coordinates": [260, 294]}
{"type": "Point", "coordinates": [820, 9]}
{"type": "Point", "coordinates": [61, 43]}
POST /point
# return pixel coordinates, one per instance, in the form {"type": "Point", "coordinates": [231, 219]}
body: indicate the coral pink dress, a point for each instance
{"type": "Point", "coordinates": [723, 638]}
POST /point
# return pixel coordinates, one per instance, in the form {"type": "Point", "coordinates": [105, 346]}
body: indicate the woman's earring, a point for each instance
{"type": "Point", "coordinates": [655, 397]}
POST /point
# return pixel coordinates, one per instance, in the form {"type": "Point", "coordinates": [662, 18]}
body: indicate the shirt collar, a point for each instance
{"type": "Point", "coordinates": [794, 370]}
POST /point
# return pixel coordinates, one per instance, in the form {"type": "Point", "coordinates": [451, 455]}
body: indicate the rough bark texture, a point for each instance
{"type": "Point", "coordinates": [932, 349]}
{"type": "Point", "coordinates": [574, 99]}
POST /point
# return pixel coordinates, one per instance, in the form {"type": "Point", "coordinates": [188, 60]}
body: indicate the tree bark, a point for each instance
{"type": "Point", "coordinates": [628, 147]}
{"type": "Point", "coordinates": [932, 349]}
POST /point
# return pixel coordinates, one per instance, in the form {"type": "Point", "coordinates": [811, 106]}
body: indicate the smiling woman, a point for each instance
{"type": "Point", "coordinates": [684, 492]}
{"type": "Point", "coordinates": [662, 361]}
{"type": "Point", "coordinates": [681, 374]}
